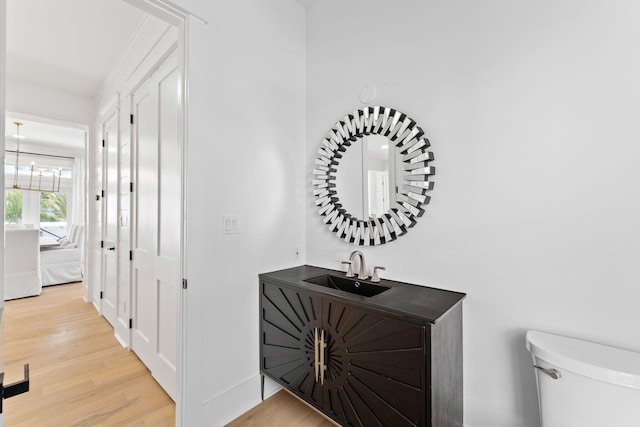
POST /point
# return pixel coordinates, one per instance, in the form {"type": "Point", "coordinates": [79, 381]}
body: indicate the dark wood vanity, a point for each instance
{"type": "Point", "coordinates": [365, 354]}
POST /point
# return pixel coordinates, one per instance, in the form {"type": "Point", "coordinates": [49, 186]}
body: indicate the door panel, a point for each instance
{"type": "Point", "coordinates": [145, 319]}
{"type": "Point", "coordinates": [145, 217]}
{"type": "Point", "coordinates": [169, 163]}
{"type": "Point", "coordinates": [110, 205]}
{"type": "Point", "coordinates": [168, 244]}
{"type": "Point", "coordinates": [157, 217]}
{"type": "Point", "coordinates": [373, 361]}
{"type": "Point", "coordinates": [146, 162]}
{"type": "Point", "coordinates": [288, 320]}
{"type": "Point", "coordinates": [98, 268]}
{"type": "Point", "coordinates": [167, 333]}
{"type": "Point", "coordinates": [124, 230]}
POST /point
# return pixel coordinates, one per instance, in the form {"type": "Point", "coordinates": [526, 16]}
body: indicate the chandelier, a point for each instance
{"type": "Point", "coordinates": [31, 187]}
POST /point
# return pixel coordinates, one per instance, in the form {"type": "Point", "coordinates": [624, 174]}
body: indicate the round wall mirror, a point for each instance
{"type": "Point", "coordinates": [372, 175]}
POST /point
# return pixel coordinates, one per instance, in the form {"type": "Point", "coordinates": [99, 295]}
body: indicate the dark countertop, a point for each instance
{"type": "Point", "coordinates": [425, 303]}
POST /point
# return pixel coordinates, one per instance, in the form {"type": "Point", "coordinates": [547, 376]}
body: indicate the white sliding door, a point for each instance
{"type": "Point", "coordinates": [156, 224]}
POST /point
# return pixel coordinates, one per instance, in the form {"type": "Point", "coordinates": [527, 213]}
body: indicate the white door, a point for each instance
{"type": "Point", "coordinates": [156, 223]}
{"type": "Point", "coordinates": [109, 251]}
{"type": "Point", "coordinates": [98, 172]}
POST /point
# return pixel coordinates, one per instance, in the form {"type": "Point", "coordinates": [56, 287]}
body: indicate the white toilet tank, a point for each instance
{"type": "Point", "coordinates": [584, 384]}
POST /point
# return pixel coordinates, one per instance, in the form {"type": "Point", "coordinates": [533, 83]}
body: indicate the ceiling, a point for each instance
{"type": "Point", "coordinates": [45, 138]}
{"type": "Point", "coordinates": [70, 45]}
{"type": "Point", "coordinates": [67, 45]}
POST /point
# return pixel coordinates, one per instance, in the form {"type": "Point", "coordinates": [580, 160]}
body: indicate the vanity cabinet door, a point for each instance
{"type": "Point", "coordinates": [376, 370]}
{"type": "Point", "coordinates": [288, 319]}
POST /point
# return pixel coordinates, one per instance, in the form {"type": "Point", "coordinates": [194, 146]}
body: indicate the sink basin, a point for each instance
{"type": "Point", "coordinates": [348, 284]}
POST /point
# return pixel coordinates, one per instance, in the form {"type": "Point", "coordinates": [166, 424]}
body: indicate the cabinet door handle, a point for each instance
{"type": "Point", "coordinates": [319, 346]}
{"type": "Point", "coordinates": [315, 349]}
{"type": "Point", "coordinates": [322, 347]}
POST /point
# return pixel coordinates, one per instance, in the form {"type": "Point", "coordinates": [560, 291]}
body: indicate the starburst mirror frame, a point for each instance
{"type": "Point", "coordinates": [411, 145]}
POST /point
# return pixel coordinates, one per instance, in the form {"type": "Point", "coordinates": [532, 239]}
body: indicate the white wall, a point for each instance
{"type": "Point", "coordinates": [3, 48]}
{"type": "Point", "coordinates": [3, 52]}
{"type": "Point", "coordinates": [150, 43]}
{"type": "Point", "coordinates": [40, 101]}
{"type": "Point", "coordinates": [246, 103]}
{"type": "Point", "coordinates": [532, 110]}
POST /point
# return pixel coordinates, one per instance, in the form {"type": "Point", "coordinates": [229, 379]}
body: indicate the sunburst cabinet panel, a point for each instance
{"type": "Point", "coordinates": [376, 369]}
{"type": "Point", "coordinates": [360, 364]}
{"type": "Point", "coordinates": [288, 321]}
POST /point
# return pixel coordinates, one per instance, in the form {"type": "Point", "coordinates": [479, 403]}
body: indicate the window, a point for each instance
{"type": "Point", "coordinates": [13, 206]}
{"type": "Point", "coordinates": [48, 200]}
{"type": "Point", "coordinates": [53, 213]}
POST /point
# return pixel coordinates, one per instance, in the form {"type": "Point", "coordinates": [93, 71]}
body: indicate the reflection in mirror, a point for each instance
{"type": "Point", "coordinates": [367, 176]}
{"type": "Point", "coordinates": [380, 185]}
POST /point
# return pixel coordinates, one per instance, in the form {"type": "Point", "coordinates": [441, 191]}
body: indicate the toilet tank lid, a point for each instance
{"type": "Point", "coordinates": [597, 361]}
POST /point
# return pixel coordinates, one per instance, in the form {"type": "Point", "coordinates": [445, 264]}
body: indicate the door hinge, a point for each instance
{"type": "Point", "coordinates": [131, 187]}
{"type": "Point", "coordinates": [102, 243]}
{"type": "Point", "coordinates": [184, 283]}
{"type": "Point", "coordinates": [130, 323]}
{"type": "Point", "coordinates": [97, 197]}
{"type": "Point", "coordinates": [130, 255]}
{"type": "Point", "coordinates": [131, 118]}
{"type": "Point", "coordinates": [101, 295]}
{"type": "Point", "coordinates": [103, 142]}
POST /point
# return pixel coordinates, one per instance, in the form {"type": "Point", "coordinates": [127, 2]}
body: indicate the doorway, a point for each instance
{"type": "Point", "coordinates": [159, 9]}
{"type": "Point", "coordinates": [45, 192]}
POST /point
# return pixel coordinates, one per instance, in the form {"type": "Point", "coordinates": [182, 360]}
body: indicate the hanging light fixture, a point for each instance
{"type": "Point", "coordinates": [16, 177]}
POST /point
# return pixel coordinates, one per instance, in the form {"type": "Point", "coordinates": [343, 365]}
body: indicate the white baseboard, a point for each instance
{"type": "Point", "coordinates": [120, 340]}
{"type": "Point", "coordinates": [230, 404]}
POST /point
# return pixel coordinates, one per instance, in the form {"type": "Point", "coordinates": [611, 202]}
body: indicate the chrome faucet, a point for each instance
{"type": "Point", "coordinates": [362, 274]}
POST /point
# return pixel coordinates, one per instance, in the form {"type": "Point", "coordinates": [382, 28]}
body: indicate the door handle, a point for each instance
{"type": "Point", "coordinates": [315, 351]}
{"type": "Point", "coordinates": [113, 248]}
{"type": "Point", "coordinates": [319, 346]}
{"type": "Point", "coordinates": [322, 367]}
{"type": "Point", "coordinates": [16, 388]}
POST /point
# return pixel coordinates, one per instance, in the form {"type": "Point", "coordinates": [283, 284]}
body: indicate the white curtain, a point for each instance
{"type": "Point", "coordinates": [76, 216]}
{"type": "Point", "coordinates": [31, 208]}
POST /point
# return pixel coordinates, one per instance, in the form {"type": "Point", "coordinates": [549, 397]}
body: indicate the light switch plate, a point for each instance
{"type": "Point", "coordinates": [230, 224]}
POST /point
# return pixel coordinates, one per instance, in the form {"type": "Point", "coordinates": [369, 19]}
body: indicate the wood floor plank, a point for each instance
{"type": "Point", "coordinates": [282, 410]}
{"type": "Point", "coordinates": [79, 374]}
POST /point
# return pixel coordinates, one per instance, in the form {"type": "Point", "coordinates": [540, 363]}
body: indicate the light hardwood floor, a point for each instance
{"type": "Point", "coordinates": [80, 374]}
{"type": "Point", "coordinates": [281, 410]}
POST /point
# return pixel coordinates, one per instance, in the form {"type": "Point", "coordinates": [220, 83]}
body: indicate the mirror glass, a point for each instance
{"type": "Point", "coordinates": [366, 180]}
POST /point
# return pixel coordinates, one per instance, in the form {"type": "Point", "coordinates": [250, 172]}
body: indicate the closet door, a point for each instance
{"type": "Point", "coordinates": [98, 226]}
{"type": "Point", "coordinates": [110, 206]}
{"type": "Point", "coordinates": [156, 226]}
